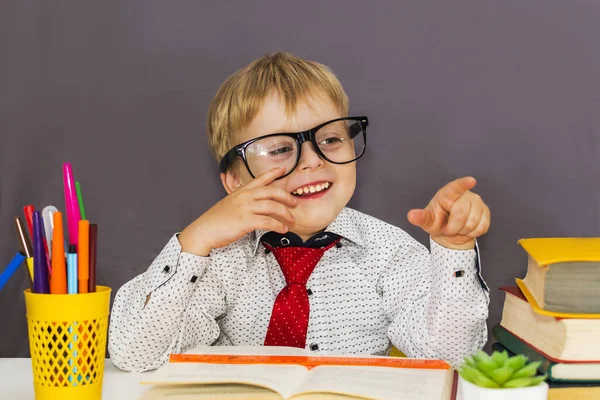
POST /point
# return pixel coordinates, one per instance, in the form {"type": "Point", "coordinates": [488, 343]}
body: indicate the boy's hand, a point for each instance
{"type": "Point", "coordinates": [253, 206]}
{"type": "Point", "coordinates": [455, 216]}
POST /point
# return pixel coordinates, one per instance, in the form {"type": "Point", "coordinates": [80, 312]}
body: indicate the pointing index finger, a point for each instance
{"type": "Point", "coordinates": [453, 190]}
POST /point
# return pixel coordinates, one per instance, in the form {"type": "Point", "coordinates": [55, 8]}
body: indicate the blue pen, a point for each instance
{"type": "Point", "coordinates": [72, 270]}
{"type": "Point", "coordinates": [72, 289]}
{"type": "Point", "coordinates": [13, 265]}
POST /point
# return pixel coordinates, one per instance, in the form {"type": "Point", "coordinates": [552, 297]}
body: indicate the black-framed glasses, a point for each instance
{"type": "Point", "coordinates": [339, 141]}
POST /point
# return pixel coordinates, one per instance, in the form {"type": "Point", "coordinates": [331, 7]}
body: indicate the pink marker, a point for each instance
{"type": "Point", "coordinates": [71, 204]}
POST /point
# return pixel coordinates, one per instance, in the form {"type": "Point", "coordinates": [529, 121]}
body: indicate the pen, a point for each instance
{"type": "Point", "coordinates": [72, 207]}
{"type": "Point", "coordinates": [80, 200]}
{"type": "Point", "coordinates": [72, 269]}
{"type": "Point", "coordinates": [25, 247]}
{"type": "Point", "coordinates": [40, 267]}
{"type": "Point", "coordinates": [93, 250]}
{"type": "Point", "coordinates": [13, 265]}
{"type": "Point", "coordinates": [83, 257]}
{"type": "Point", "coordinates": [58, 283]}
{"type": "Point", "coordinates": [45, 244]}
{"type": "Point", "coordinates": [47, 213]}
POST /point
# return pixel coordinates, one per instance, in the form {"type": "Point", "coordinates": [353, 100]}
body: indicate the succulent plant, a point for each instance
{"type": "Point", "coordinates": [500, 371]}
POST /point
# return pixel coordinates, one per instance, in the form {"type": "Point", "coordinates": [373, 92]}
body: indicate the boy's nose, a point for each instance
{"type": "Point", "coordinates": [309, 159]}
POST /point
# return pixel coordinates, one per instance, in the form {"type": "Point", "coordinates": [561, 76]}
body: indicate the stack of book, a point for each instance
{"type": "Point", "coordinates": [553, 315]}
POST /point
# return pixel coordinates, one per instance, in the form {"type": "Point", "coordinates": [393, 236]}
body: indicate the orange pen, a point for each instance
{"type": "Point", "coordinates": [58, 283]}
{"type": "Point", "coordinates": [83, 256]}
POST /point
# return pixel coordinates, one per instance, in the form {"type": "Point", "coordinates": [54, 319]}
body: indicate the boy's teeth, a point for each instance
{"type": "Point", "coordinates": [311, 189]}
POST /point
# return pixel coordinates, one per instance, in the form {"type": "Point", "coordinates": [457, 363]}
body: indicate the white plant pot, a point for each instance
{"type": "Point", "coordinates": [469, 391]}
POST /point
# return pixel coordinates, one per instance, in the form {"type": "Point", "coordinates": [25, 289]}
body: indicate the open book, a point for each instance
{"type": "Point", "coordinates": [286, 373]}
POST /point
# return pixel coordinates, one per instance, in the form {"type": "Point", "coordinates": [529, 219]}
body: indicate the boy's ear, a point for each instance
{"type": "Point", "coordinates": [231, 181]}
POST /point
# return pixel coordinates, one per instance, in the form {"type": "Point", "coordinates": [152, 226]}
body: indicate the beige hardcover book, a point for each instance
{"type": "Point", "coordinates": [206, 374]}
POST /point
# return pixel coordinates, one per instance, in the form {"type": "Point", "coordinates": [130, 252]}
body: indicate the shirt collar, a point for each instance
{"type": "Point", "coordinates": [343, 225]}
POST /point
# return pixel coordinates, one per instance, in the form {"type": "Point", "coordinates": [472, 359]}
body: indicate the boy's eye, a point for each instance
{"type": "Point", "coordinates": [280, 150]}
{"type": "Point", "coordinates": [328, 141]}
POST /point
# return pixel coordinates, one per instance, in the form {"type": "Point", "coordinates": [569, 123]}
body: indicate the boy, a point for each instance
{"type": "Point", "coordinates": [281, 261]}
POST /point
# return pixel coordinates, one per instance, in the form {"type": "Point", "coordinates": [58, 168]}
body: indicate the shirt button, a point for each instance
{"type": "Point", "coordinates": [167, 269]}
{"type": "Point", "coordinates": [314, 347]}
{"type": "Point", "coordinates": [459, 274]}
{"type": "Point", "coordinates": [308, 291]}
{"type": "Point", "coordinates": [193, 279]}
{"type": "Point", "coordinates": [338, 244]}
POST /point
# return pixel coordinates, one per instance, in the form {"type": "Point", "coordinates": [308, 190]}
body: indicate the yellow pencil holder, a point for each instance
{"type": "Point", "coordinates": [67, 340]}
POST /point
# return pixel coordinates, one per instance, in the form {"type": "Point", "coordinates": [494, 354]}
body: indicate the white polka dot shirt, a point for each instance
{"type": "Point", "coordinates": [380, 288]}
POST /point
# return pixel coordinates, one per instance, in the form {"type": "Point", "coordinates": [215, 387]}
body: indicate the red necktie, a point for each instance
{"type": "Point", "coordinates": [289, 318]}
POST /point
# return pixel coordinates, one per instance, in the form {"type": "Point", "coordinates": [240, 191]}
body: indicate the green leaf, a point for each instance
{"type": "Point", "coordinates": [536, 380]}
{"type": "Point", "coordinates": [476, 377]}
{"type": "Point", "coordinates": [468, 373]}
{"type": "Point", "coordinates": [501, 375]}
{"type": "Point", "coordinates": [528, 370]}
{"type": "Point", "coordinates": [484, 362]}
{"type": "Point", "coordinates": [516, 362]}
{"type": "Point", "coordinates": [484, 381]}
{"type": "Point", "coordinates": [500, 357]}
{"type": "Point", "coordinates": [524, 382]}
{"type": "Point", "coordinates": [481, 355]}
{"type": "Point", "coordinates": [470, 362]}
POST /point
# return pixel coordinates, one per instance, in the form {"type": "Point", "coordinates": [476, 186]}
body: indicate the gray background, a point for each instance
{"type": "Point", "coordinates": [508, 92]}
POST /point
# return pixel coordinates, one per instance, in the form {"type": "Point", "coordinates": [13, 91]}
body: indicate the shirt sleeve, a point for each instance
{"type": "Point", "coordinates": [168, 309]}
{"type": "Point", "coordinates": [437, 302]}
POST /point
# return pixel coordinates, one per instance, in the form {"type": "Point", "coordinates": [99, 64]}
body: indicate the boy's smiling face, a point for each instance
{"type": "Point", "coordinates": [317, 210]}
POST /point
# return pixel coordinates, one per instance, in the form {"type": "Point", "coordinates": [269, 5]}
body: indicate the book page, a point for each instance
{"type": "Point", "coordinates": [282, 379]}
{"type": "Point", "coordinates": [379, 383]}
{"type": "Point", "coordinates": [209, 391]}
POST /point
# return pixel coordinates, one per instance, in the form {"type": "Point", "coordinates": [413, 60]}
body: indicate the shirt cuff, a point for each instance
{"type": "Point", "coordinates": [175, 267]}
{"type": "Point", "coordinates": [457, 265]}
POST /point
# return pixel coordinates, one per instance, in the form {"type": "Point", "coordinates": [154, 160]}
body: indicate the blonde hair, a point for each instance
{"type": "Point", "coordinates": [240, 97]}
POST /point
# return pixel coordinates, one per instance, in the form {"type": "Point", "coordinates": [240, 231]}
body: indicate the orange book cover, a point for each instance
{"type": "Point", "coordinates": [311, 361]}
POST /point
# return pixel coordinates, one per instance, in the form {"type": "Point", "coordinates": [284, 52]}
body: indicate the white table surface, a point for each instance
{"type": "Point", "coordinates": [16, 381]}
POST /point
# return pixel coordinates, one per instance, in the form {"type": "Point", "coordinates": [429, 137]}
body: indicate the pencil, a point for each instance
{"type": "Point", "coordinates": [8, 272]}
{"type": "Point", "coordinates": [25, 245]}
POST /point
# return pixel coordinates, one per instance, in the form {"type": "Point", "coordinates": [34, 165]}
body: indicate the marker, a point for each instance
{"type": "Point", "coordinates": [72, 207]}
{"type": "Point", "coordinates": [40, 267]}
{"type": "Point", "coordinates": [28, 211]}
{"type": "Point", "coordinates": [58, 283]}
{"type": "Point", "coordinates": [72, 269]}
{"type": "Point", "coordinates": [25, 245]}
{"type": "Point", "coordinates": [80, 200]}
{"type": "Point", "coordinates": [93, 247]}
{"type": "Point", "coordinates": [83, 257]}
{"type": "Point", "coordinates": [13, 265]}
